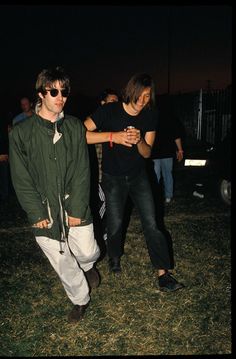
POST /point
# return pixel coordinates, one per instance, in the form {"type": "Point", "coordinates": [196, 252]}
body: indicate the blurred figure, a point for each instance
{"type": "Point", "coordinates": [27, 110]}
{"type": "Point", "coordinates": [128, 133]}
{"type": "Point", "coordinates": [167, 146]}
{"type": "Point", "coordinates": [50, 173]}
{"type": "Point", "coordinates": [98, 205]}
{"type": "Point", "coordinates": [107, 96]}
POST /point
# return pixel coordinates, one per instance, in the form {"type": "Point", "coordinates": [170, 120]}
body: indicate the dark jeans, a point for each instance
{"type": "Point", "coordinates": [117, 189]}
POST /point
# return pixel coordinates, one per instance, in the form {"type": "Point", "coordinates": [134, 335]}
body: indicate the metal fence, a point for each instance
{"type": "Point", "coordinates": [216, 114]}
{"type": "Point", "coordinates": [205, 114]}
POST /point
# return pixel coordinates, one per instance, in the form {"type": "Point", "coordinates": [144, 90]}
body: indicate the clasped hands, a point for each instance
{"type": "Point", "coordinates": [128, 137]}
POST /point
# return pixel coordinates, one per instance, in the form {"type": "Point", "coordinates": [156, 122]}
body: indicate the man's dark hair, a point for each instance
{"type": "Point", "coordinates": [48, 76]}
{"type": "Point", "coordinates": [108, 91]}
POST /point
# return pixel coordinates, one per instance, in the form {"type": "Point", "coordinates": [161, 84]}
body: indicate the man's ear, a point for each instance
{"type": "Point", "coordinates": [103, 102]}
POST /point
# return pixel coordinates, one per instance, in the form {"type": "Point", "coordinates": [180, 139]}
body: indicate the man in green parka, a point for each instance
{"type": "Point", "coordinates": [50, 173]}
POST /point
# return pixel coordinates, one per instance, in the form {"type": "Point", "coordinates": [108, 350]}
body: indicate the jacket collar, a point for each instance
{"type": "Point", "coordinates": [49, 124]}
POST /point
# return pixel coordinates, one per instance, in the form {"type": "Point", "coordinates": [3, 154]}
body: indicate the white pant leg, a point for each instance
{"type": "Point", "coordinates": [68, 270]}
{"type": "Point", "coordinates": [84, 246]}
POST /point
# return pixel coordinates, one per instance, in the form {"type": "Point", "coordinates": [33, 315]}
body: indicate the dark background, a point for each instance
{"type": "Point", "coordinates": [184, 48]}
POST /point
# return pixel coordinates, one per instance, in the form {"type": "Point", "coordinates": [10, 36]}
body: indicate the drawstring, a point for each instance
{"type": "Point", "coordinates": [63, 232]}
{"type": "Point", "coordinates": [62, 240]}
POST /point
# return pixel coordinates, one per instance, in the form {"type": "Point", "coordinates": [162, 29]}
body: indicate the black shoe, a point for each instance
{"type": "Point", "coordinates": [167, 283]}
{"type": "Point", "coordinates": [114, 264]}
{"type": "Point", "coordinates": [77, 313]}
{"type": "Point", "coordinates": [93, 278]}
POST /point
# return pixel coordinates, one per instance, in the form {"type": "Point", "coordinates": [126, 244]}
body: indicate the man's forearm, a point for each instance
{"type": "Point", "coordinates": [97, 137]}
{"type": "Point", "coordinates": [144, 148]}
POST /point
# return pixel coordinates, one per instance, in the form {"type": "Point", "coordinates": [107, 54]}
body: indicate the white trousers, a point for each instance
{"type": "Point", "coordinates": [71, 267]}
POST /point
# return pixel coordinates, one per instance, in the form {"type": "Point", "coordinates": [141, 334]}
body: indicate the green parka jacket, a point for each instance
{"type": "Point", "coordinates": [50, 172]}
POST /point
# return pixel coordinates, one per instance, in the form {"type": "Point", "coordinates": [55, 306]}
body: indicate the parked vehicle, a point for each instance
{"type": "Point", "coordinates": [209, 165]}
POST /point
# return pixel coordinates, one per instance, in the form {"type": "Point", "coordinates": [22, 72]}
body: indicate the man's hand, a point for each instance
{"type": "Point", "coordinates": [3, 158]}
{"type": "Point", "coordinates": [128, 137]}
{"type": "Point", "coordinates": [133, 135]}
{"type": "Point", "coordinates": [41, 224]}
{"type": "Point", "coordinates": [72, 221]}
{"type": "Point", "coordinates": [179, 155]}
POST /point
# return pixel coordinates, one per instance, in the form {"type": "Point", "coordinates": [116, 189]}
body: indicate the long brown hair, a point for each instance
{"type": "Point", "coordinates": [135, 87]}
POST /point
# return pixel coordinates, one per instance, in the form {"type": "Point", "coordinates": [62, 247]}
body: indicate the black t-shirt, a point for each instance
{"type": "Point", "coordinates": [121, 160]}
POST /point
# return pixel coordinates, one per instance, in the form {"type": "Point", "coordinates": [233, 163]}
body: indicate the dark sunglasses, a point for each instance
{"type": "Point", "coordinates": [54, 92]}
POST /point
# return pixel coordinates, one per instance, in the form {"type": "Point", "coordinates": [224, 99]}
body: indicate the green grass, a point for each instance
{"type": "Point", "coordinates": [127, 315]}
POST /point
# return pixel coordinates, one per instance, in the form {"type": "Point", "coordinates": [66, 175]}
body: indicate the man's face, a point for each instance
{"type": "Point", "coordinates": [143, 100]}
{"type": "Point", "coordinates": [25, 104]}
{"type": "Point", "coordinates": [52, 103]}
{"type": "Point", "coordinates": [111, 98]}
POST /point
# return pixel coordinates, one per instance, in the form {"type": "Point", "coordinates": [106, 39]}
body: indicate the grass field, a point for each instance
{"type": "Point", "coordinates": [127, 315]}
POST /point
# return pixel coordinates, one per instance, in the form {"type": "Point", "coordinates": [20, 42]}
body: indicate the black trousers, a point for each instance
{"type": "Point", "coordinates": [117, 189]}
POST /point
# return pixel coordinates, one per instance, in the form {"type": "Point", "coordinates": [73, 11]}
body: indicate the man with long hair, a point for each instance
{"type": "Point", "coordinates": [128, 133]}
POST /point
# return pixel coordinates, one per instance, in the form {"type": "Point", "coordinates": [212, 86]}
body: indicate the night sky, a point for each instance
{"type": "Point", "coordinates": [103, 46]}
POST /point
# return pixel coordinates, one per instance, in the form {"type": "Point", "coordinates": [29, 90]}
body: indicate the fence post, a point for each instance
{"type": "Point", "coordinates": [199, 118]}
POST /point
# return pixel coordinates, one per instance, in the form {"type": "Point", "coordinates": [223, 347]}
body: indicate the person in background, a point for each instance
{"type": "Point", "coordinates": [127, 131]}
{"type": "Point", "coordinates": [107, 96]}
{"type": "Point", "coordinates": [27, 110]}
{"type": "Point", "coordinates": [50, 171]}
{"type": "Point", "coordinates": [167, 146]}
